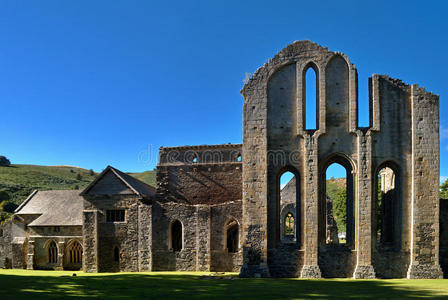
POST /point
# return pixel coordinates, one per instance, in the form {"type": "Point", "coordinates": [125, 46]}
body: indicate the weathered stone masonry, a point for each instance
{"type": "Point", "coordinates": [403, 135]}
{"type": "Point", "coordinates": [218, 207]}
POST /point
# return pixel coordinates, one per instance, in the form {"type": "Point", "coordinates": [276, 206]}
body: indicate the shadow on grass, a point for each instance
{"type": "Point", "coordinates": [179, 286]}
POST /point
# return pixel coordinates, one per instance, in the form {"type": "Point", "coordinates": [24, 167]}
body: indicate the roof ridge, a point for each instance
{"type": "Point", "coordinates": [26, 201]}
{"type": "Point", "coordinates": [117, 173]}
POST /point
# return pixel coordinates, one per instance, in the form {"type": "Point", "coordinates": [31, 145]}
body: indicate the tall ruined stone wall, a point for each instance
{"type": "Point", "coordinates": [391, 147]}
{"type": "Point", "coordinates": [199, 174]}
{"type": "Point", "coordinates": [403, 135]}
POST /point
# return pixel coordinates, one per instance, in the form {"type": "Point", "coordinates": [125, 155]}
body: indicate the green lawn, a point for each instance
{"type": "Point", "coordinates": [21, 284]}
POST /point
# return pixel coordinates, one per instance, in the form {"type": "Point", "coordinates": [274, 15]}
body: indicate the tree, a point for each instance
{"type": "Point", "coordinates": [444, 190]}
{"type": "Point", "coordinates": [78, 177]}
{"type": "Point", "coordinates": [4, 161]}
{"type": "Point", "coordinates": [4, 196]}
{"type": "Point", "coordinates": [91, 173]}
{"type": "Point", "coordinates": [8, 206]}
{"type": "Point", "coordinates": [340, 209]}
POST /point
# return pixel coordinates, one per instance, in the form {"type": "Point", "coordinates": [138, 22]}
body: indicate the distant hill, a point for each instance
{"type": "Point", "coordinates": [334, 185]}
{"type": "Point", "coordinates": [148, 177]}
{"type": "Point", "coordinates": [18, 181]}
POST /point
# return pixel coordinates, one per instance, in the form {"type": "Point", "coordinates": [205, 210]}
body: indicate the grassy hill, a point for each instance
{"type": "Point", "coordinates": [148, 177]}
{"type": "Point", "coordinates": [18, 181]}
{"type": "Point", "coordinates": [335, 185]}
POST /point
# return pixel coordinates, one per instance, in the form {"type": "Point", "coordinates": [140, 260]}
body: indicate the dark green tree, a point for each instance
{"type": "Point", "coordinates": [78, 177]}
{"type": "Point", "coordinates": [444, 190]}
{"type": "Point", "coordinates": [91, 173]}
{"type": "Point", "coordinates": [4, 161]}
{"type": "Point", "coordinates": [8, 206]}
{"type": "Point", "coordinates": [4, 196]}
{"type": "Point", "coordinates": [340, 208]}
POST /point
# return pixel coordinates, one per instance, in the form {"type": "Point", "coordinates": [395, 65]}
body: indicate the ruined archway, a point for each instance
{"type": "Point", "coordinates": [336, 249]}
{"type": "Point", "coordinates": [387, 205]}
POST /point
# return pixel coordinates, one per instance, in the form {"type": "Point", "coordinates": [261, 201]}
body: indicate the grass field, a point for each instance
{"type": "Point", "coordinates": [22, 284]}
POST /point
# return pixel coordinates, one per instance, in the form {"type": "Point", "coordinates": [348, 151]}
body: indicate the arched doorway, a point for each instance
{"type": "Point", "coordinates": [176, 236]}
{"type": "Point", "coordinates": [387, 206]}
{"type": "Point", "coordinates": [232, 236]}
{"type": "Point", "coordinates": [336, 224]}
{"type": "Point", "coordinates": [289, 207]}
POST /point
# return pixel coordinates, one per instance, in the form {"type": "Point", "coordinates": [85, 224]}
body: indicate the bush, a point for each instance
{"type": "Point", "coordinates": [4, 216]}
{"type": "Point", "coordinates": [4, 161]}
{"type": "Point", "coordinates": [4, 196]}
{"type": "Point", "coordinates": [78, 177]}
{"type": "Point", "coordinates": [8, 206]}
{"type": "Point", "coordinates": [444, 190]}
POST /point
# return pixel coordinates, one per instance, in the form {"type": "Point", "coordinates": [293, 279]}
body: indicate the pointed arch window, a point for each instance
{"type": "Point", "coordinates": [311, 97]}
{"type": "Point", "coordinates": [52, 253]}
{"type": "Point", "coordinates": [289, 206]}
{"type": "Point", "coordinates": [176, 236]}
{"type": "Point", "coordinates": [232, 236]}
{"type": "Point", "coordinates": [388, 207]}
{"type": "Point", "coordinates": [336, 203]}
{"type": "Point", "coordinates": [75, 253]}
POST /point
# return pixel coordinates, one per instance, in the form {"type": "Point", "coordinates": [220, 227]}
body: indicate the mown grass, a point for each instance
{"type": "Point", "coordinates": [22, 284]}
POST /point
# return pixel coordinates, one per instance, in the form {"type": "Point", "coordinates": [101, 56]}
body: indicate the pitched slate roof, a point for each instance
{"type": "Point", "coordinates": [138, 187]}
{"type": "Point", "coordinates": [53, 208]}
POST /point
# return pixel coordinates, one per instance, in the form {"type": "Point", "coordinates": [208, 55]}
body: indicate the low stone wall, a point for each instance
{"type": "Point", "coordinates": [391, 264]}
{"type": "Point", "coordinates": [285, 261]}
{"type": "Point", "coordinates": [336, 261]}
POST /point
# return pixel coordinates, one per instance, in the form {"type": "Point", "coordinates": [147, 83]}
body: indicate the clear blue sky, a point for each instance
{"type": "Point", "coordinates": [92, 83]}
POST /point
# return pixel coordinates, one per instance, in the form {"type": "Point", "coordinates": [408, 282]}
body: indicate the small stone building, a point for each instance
{"type": "Point", "coordinates": [47, 231]}
{"type": "Point", "coordinates": [222, 208]}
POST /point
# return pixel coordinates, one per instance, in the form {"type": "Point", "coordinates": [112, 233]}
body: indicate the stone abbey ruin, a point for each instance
{"type": "Point", "coordinates": [222, 208]}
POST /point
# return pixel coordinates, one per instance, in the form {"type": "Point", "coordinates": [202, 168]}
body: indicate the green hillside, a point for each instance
{"type": "Point", "coordinates": [148, 177]}
{"type": "Point", "coordinates": [18, 181]}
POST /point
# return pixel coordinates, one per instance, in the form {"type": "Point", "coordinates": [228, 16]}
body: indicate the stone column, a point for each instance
{"type": "Point", "coordinates": [311, 225]}
{"type": "Point", "coordinates": [145, 238]}
{"type": "Point", "coordinates": [90, 237]}
{"type": "Point", "coordinates": [203, 238]}
{"type": "Point", "coordinates": [425, 185]}
{"type": "Point", "coordinates": [30, 255]}
{"type": "Point", "coordinates": [60, 262]}
{"type": "Point", "coordinates": [255, 212]}
{"type": "Point", "coordinates": [363, 207]}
